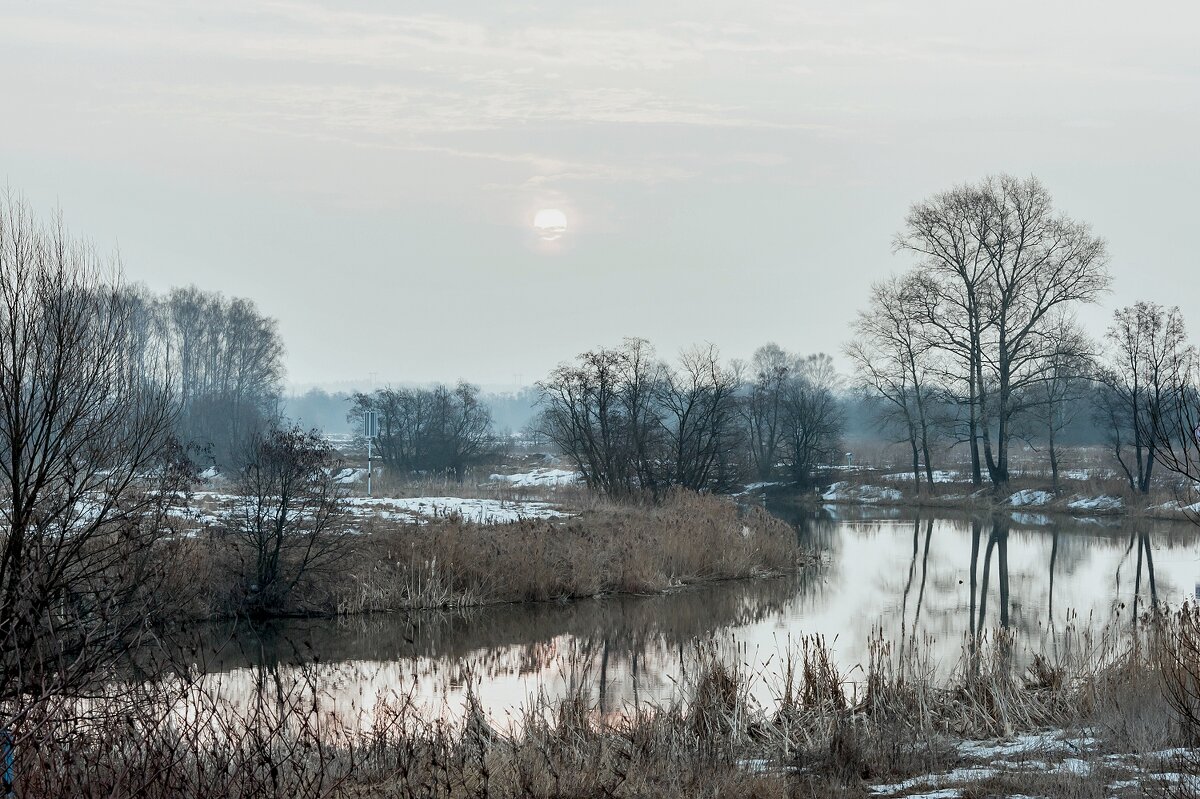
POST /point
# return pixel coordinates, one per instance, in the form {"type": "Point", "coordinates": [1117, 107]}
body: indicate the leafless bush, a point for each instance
{"type": "Point", "coordinates": [288, 520]}
{"type": "Point", "coordinates": [89, 467]}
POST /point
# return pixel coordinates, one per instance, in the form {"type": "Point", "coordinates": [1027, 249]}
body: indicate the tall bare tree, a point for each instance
{"type": "Point", "coordinates": [891, 353]}
{"type": "Point", "coordinates": [998, 262]}
{"type": "Point", "coordinates": [946, 232]}
{"type": "Point", "coordinates": [699, 419]}
{"type": "Point", "coordinates": [1142, 384]}
{"type": "Point", "coordinates": [762, 406]}
{"type": "Point", "coordinates": [88, 466]}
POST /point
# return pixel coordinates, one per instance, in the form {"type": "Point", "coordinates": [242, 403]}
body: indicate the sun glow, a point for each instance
{"type": "Point", "coordinates": [550, 224]}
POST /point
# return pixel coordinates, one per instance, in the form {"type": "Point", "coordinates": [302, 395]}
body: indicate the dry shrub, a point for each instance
{"type": "Point", "coordinates": [611, 548]}
{"type": "Point", "coordinates": [822, 736]}
{"type": "Point", "coordinates": [1176, 648]}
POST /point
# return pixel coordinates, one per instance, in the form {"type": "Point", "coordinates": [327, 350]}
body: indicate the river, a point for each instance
{"type": "Point", "coordinates": [910, 576]}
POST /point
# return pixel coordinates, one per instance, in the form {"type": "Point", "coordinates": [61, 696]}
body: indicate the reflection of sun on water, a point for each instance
{"type": "Point", "coordinates": [550, 224]}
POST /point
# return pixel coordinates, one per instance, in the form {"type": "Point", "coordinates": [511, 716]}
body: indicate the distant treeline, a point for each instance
{"type": "Point", "coordinates": [328, 411]}
{"type": "Point", "coordinates": [221, 358]}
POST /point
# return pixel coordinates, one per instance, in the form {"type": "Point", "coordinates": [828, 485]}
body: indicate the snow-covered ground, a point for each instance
{"type": "Point", "coordinates": [752, 487]}
{"type": "Point", "coordinates": [1045, 754]}
{"type": "Point", "coordinates": [539, 478]}
{"type": "Point", "coordinates": [480, 511]}
{"type": "Point", "coordinates": [939, 476]}
{"type": "Point", "coordinates": [847, 492]}
{"type": "Point", "coordinates": [349, 476]}
{"type": "Point", "coordinates": [414, 510]}
{"type": "Point", "coordinates": [1030, 496]}
{"type": "Point", "coordinates": [1101, 503]}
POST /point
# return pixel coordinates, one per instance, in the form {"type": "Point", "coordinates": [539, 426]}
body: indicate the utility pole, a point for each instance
{"type": "Point", "coordinates": [372, 423]}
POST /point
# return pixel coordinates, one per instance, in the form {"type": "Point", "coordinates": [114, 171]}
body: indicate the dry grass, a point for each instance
{"type": "Point", "coordinates": [608, 548]}
{"type": "Point", "coordinates": [821, 735]}
{"type": "Point", "coordinates": [451, 563]}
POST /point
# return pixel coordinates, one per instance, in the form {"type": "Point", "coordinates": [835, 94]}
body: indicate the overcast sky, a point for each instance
{"type": "Point", "coordinates": [731, 172]}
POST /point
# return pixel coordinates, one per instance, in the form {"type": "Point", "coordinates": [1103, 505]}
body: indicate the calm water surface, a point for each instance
{"type": "Point", "coordinates": [932, 578]}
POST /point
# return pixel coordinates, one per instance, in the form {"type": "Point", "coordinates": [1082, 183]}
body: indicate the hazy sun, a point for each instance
{"type": "Point", "coordinates": [550, 224]}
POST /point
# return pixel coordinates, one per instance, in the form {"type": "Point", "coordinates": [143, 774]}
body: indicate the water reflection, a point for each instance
{"type": "Point", "coordinates": [943, 581]}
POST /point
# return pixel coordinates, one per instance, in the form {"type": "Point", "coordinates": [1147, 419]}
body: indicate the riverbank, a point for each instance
{"type": "Point", "coordinates": [1081, 498]}
{"type": "Point", "coordinates": [588, 547]}
{"type": "Point", "coordinates": [1105, 718]}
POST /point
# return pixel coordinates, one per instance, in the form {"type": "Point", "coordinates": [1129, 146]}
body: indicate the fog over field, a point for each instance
{"type": "Point", "coordinates": [672, 398]}
{"type": "Point", "coordinates": [369, 172]}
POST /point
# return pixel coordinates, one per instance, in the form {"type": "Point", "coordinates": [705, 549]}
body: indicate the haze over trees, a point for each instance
{"type": "Point", "coordinates": [1148, 367]}
{"type": "Point", "coordinates": [229, 359]}
{"type": "Point", "coordinates": [631, 423]}
{"type": "Point", "coordinates": [225, 363]}
{"type": "Point", "coordinates": [439, 431]}
{"type": "Point", "coordinates": [997, 266]}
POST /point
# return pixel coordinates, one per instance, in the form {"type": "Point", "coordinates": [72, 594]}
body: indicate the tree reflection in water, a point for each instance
{"type": "Point", "coordinates": [904, 576]}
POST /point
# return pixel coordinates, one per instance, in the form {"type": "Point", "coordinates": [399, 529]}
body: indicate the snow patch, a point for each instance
{"type": "Point", "coordinates": [1100, 503]}
{"type": "Point", "coordinates": [846, 492]}
{"type": "Point", "coordinates": [751, 487]}
{"type": "Point", "coordinates": [1030, 496]}
{"type": "Point", "coordinates": [479, 511]}
{"type": "Point", "coordinates": [1040, 742]}
{"type": "Point", "coordinates": [538, 478]}
{"type": "Point", "coordinates": [939, 476]}
{"type": "Point", "coordinates": [349, 476]}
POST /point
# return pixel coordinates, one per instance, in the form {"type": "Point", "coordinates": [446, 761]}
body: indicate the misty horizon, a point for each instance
{"type": "Point", "coordinates": [371, 177]}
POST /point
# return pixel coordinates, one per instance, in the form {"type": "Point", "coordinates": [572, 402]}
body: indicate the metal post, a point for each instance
{"type": "Point", "coordinates": [10, 777]}
{"type": "Point", "coordinates": [368, 466]}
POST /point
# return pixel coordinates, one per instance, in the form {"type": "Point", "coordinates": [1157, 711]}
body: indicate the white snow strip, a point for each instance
{"type": "Point", "coordinates": [479, 511]}
{"type": "Point", "coordinates": [969, 774]}
{"type": "Point", "coordinates": [1030, 496]}
{"type": "Point", "coordinates": [538, 478]}
{"type": "Point", "coordinates": [1096, 503]}
{"type": "Point", "coordinates": [1039, 742]}
{"type": "Point", "coordinates": [845, 492]}
{"type": "Point", "coordinates": [939, 476]}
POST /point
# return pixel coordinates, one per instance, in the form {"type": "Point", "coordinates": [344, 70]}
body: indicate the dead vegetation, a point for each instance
{"type": "Point", "coordinates": [1106, 718]}
{"type": "Point", "coordinates": [449, 562]}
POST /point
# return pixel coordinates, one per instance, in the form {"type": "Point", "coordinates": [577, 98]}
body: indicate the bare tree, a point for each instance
{"type": "Point", "coordinates": [1173, 429]}
{"type": "Point", "coordinates": [289, 514]}
{"type": "Point", "coordinates": [87, 460]}
{"type": "Point", "coordinates": [229, 362]}
{"type": "Point", "coordinates": [946, 233]}
{"type": "Point", "coordinates": [440, 430]}
{"type": "Point", "coordinates": [462, 430]}
{"type": "Point", "coordinates": [891, 354]}
{"type": "Point", "coordinates": [813, 418]}
{"type": "Point", "coordinates": [600, 412]}
{"type": "Point", "coordinates": [1143, 384]}
{"type": "Point", "coordinates": [762, 407]}
{"type": "Point", "coordinates": [998, 261]}
{"type": "Point", "coordinates": [1067, 381]}
{"type": "Point", "coordinates": [699, 420]}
